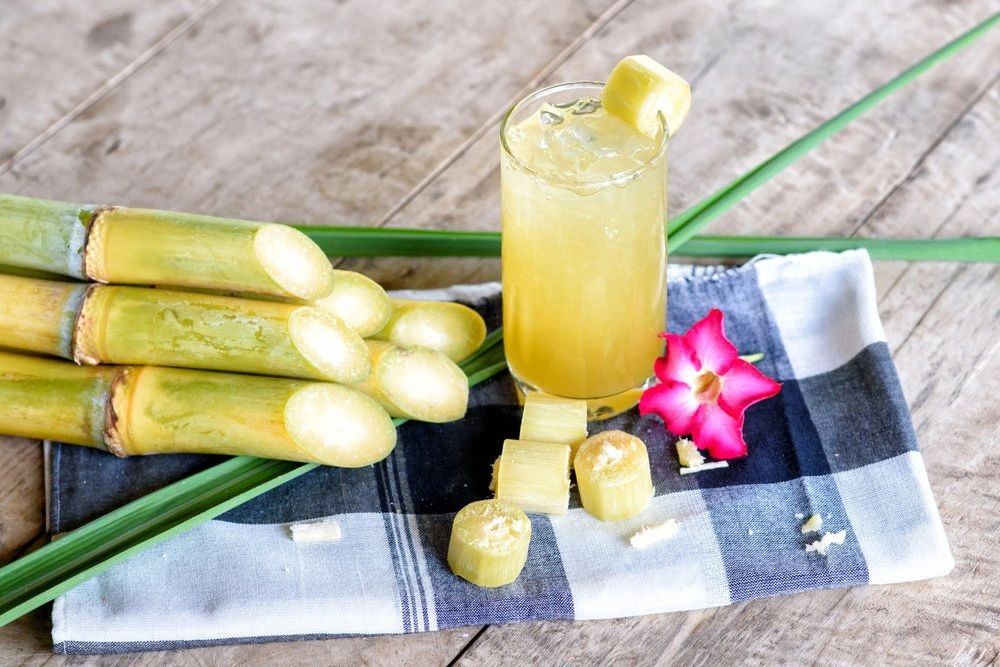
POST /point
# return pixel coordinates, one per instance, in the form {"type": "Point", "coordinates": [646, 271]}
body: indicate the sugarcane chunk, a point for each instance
{"type": "Point", "coordinates": [489, 543]}
{"type": "Point", "coordinates": [534, 476]}
{"type": "Point", "coordinates": [358, 301]}
{"type": "Point", "coordinates": [612, 473]}
{"type": "Point", "coordinates": [450, 328]}
{"type": "Point", "coordinates": [552, 419]}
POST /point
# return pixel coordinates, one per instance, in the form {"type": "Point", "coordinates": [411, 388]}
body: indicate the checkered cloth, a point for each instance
{"type": "Point", "coordinates": [837, 441]}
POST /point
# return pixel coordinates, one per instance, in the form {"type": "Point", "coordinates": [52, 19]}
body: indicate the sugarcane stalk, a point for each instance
{"type": "Point", "coordinates": [44, 235]}
{"type": "Point", "coordinates": [39, 315]}
{"type": "Point", "coordinates": [450, 328]}
{"type": "Point", "coordinates": [358, 301]}
{"type": "Point", "coordinates": [416, 383]}
{"type": "Point", "coordinates": [137, 410]}
{"type": "Point", "coordinates": [147, 247]}
{"type": "Point", "coordinates": [143, 326]}
{"type": "Point", "coordinates": [133, 246]}
{"type": "Point", "coordinates": [53, 400]}
{"type": "Point", "coordinates": [169, 410]}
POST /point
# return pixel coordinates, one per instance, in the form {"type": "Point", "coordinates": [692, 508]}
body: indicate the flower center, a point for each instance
{"type": "Point", "coordinates": [707, 386]}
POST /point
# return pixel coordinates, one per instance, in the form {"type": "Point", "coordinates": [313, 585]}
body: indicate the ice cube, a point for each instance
{"type": "Point", "coordinates": [549, 115]}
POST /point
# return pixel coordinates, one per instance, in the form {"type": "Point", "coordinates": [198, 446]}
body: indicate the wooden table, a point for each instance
{"type": "Point", "coordinates": [359, 112]}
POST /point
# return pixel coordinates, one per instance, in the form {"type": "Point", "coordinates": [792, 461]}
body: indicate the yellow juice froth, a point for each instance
{"type": "Point", "coordinates": [584, 201]}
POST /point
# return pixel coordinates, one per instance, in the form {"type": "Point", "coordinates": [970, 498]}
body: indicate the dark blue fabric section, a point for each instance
{"type": "Point", "coordinates": [540, 592]}
{"type": "Point", "coordinates": [859, 411]}
{"type": "Point", "coordinates": [762, 544]}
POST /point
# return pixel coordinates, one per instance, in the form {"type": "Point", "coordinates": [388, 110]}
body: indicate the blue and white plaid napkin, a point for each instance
{"type": "Point", "coordinates": [838, 441]}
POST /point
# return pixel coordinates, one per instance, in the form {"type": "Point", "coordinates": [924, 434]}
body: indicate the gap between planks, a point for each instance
{"type": "Point", "coordinates": [112, 84]}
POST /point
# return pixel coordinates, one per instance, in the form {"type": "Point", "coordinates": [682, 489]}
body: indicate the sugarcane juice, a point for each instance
{"type": "Point", "coordinates": [584, 201]}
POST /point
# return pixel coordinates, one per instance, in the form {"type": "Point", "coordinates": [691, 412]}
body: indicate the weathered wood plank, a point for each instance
{"type": "Point", "coordinates": [56, 54]}
{"type": "Point", "coordinates": [751, 97]}
{"type": "Point", "coordinates": [330, 113]}
{"type": "Point", "coordinates": [941, 322]}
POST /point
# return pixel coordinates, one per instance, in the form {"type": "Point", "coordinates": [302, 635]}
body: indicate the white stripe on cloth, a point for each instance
{"type": "Point", "coordinates": [232, 580]}
{"type": "Point", "coordinates": [824, 322]}
{"type": "Point", "coordinates": [893, 515]}
{"type": "Point", "coordinates": [610, 579]}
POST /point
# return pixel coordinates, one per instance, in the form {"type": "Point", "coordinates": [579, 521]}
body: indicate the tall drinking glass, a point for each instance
{"type": "Point", "coordinates": [583, 210]}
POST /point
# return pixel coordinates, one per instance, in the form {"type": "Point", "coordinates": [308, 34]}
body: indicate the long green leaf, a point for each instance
{"type": "Point", "coordinates": [390, 241]}
{"type": "Point", "coordinates": [57, 567]}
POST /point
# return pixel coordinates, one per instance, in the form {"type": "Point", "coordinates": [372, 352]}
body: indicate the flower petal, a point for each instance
{"type": "Point", "coordinates": [713, 350]}
{"type": "Point", "coordinates": [675, 404]}
{"type": "Point", "coordinates": [679, 364]}
{"type": "Point", "coordinates": [719, 432]}
{"type": "Point", "coordinates": [743, 385]}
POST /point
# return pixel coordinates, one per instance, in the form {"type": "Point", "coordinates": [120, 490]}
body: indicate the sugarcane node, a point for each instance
{"type": "Point", "coordinates": [83, 345]}
{"type": "Point", "coordinates": [93, 255]}
{"type": "Point", "coordinates": [115, 408]}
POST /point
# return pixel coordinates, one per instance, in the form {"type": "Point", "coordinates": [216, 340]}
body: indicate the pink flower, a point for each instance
{"type": "Point", "coordinates": [705, 388]}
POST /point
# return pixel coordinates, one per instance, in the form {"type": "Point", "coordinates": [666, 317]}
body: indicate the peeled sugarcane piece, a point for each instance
{"type": "Point", "coordinates": [143, 326]}
{"type": "Point", "coordinates": [358, 301]}
{"type": "Point", "coordinates": [169, 410]}
{"type": "Point", "coordinates": [534, 476]}
{"type": "Point", "coordinates": [39, 315]}
{"type": "Point", "coordinates": [49, 399]}
{"type": "Point", "coordinates": [489, 543]}
{"type": "Point", "coordinates": [43, 235]}
{"type": "Point", "coordinates": [552, 419]}
{"type": "Point", "coordinates": [416, 383]}
{"type": "Point", "coordinates": [145, 247]}
{"type": "Point", "coordinates": [450, 328]}
{"type": "Point", "coordinates": [612, 473]}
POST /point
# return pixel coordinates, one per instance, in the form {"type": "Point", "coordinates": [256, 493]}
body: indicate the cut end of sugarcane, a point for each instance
{"type": "Point", "coordinates": [422, 384]}
{"type": "Point", "coordinates": [358, 301]}
{"type": "Point", "coordinates": [293, 262]}
{"type": "Point", "coordinates": [639, 90]}
{"type": "Point", "coordinates": [450, 328]}
{"type": "Point", "coordinates": [338, 426]}
{"type": "Point", "coordinates": [489, 543]}
{"type": "Point", "coordinates": [613, 475]}
{"type": "Point", "coordinates": [334, 349]}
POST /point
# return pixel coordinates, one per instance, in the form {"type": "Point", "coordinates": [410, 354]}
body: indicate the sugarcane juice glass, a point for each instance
{"type": "Point", "coordinates": [583, 207]}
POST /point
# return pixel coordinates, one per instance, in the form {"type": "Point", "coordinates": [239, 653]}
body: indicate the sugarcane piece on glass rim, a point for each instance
{"type": "Point", "coordinates": [450, 328]}
{"type": "Point", "coordinates": [534, 476]}
{"type": "Point", "coordinates": [50, 399]}
{"type": "Point", "coordinates": [169, 410]}
{"type": "Point", "coordinates": [489, 543]}
{"type": "Point", "coordinates": [143, 326]}
{"type": "Point", "coordinates": [358, 301]}
{"type": "Point", "coordinates": [554, 419]}
{"type": "Point", "coordinates": [613, 475]}
{"type": "Point", "coordinates": [39, 315]}
{"type": "Point", "coordinates": [416, 383]}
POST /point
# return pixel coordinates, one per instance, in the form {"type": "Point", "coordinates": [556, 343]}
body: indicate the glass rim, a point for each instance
{"type": "Point", "coordinates": [551, 179]}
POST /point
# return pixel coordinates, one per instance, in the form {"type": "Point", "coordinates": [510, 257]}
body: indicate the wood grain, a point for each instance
{"type": "Point", "coordinates": [56, 54]}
